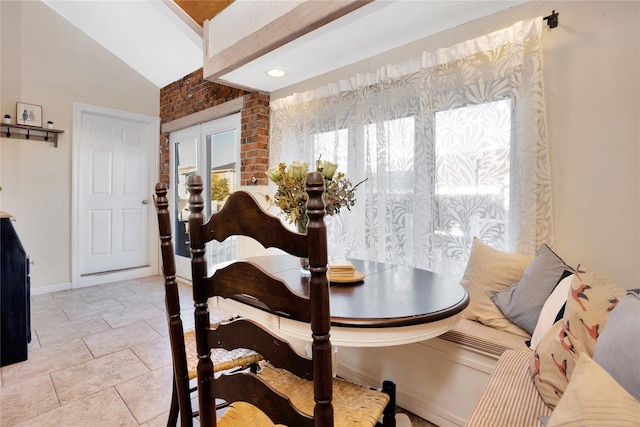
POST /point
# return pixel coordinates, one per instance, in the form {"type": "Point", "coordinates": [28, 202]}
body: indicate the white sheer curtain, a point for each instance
{"type": "Point", "coordinates": [452, 144]}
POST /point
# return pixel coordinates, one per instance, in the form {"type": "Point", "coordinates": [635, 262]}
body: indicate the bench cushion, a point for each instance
{"type": "Point", "coordinates": [509, 398]}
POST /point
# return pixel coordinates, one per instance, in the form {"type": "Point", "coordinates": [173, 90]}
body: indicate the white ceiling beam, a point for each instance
{"type": "Point", "coordinates": [302, 19]}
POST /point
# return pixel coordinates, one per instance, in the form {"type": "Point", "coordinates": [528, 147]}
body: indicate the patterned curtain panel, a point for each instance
{"type": "Point", "coordinates": [452, 145]}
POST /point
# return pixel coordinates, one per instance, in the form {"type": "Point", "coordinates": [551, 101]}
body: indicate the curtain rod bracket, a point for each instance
{"type": "Point", "coordinates": [552, 20]}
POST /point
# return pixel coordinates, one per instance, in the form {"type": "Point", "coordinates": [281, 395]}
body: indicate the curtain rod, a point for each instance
{"type": "Point", "coordinates": [552, 20]}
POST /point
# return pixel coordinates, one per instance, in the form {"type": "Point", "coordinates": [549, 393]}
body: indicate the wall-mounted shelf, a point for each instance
{"type": "Point", "coordinates": [30, 133]}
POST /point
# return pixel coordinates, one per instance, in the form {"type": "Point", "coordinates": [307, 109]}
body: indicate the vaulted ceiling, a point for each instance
{"type": "Point", "coordinates": [201, 10]}
{"type": "Point", "coordinates": [163, 40]}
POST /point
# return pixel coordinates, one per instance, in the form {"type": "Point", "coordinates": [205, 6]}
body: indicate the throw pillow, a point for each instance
{"type": "Point", "coordinates": [594, 398]}
{"type": "Point", "coordinates": [489, 271]}
{"type": "Point", "coordinates": [618, 347]}
{"type": "Point", "coordinates": [552, 310]}
{"type": "Point", "coordinates": [590, 299]}
{"type": "Point", "coordinates": [522, 302]}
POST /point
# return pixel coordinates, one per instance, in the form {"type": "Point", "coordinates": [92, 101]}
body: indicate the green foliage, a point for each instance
{"type": "Point", "coordinates": [219, 187]}
{"type": "Point", "coordinates": [290, 195]}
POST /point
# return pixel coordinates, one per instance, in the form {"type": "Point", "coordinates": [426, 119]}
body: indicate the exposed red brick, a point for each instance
{"type": "Point", "coordinates": [192, 93]}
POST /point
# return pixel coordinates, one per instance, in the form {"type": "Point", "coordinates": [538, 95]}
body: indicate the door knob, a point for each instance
{"type": "Point", "coordinates": [145, 202]}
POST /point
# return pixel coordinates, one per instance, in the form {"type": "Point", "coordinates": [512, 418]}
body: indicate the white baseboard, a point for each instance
{"type": "Point", "coordinates": [41, 290]}
{"type": "Point", "coordinates": [115, 276]}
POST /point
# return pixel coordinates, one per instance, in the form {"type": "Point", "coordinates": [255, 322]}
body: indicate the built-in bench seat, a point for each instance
{"type": "Point", "coordinates": [440, 379]}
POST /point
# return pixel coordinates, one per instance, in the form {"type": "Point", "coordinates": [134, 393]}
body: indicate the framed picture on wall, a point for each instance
{"type": "Point", "coordinates": [28, 114]}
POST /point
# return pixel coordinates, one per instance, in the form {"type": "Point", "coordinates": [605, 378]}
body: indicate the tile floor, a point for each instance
{"type": "Point", "coordinates": [99, 356]}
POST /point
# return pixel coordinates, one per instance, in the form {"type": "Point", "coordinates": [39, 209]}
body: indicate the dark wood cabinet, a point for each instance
{"type": "Point", "coordinates": [15, 316]}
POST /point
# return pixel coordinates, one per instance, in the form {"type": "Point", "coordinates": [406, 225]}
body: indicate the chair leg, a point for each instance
{"type": "Point", "coordinates": [173, 409]}
{"type": "Point", "coordinates": [389, 414]}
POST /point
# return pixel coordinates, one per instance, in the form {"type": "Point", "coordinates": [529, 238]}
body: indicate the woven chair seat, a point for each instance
{"type": "Point", "coordinates": [222, 359]}
{"type": "Point", "coordinates": [353, 404]}
{"type": "Point", "coordinates": [242, 414]}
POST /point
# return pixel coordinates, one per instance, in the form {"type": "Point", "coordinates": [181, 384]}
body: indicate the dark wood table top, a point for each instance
{"type": "Point", "coordinates": [389, 296]}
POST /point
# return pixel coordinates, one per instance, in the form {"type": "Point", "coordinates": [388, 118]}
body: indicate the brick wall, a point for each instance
{"type": "Point", "coordinates": [192, 93]}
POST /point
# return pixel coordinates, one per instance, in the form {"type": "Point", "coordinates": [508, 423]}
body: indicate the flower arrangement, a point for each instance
{"type": "Point", "coordinates": [291, 198]}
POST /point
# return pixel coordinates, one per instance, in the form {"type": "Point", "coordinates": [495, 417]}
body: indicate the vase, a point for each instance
{"type": "Point", "coordinates": [301, 225]}
{"type": "Point", "coordinates": [304, 267]}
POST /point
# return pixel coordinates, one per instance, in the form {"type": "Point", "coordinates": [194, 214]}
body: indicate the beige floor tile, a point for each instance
{"type": "Point", "coordinates": [123, 284]}
{"type": "Point", "coordinates": [45, 360]}
{"type": "Point", "coordinates": [147, 395]}
{"type": "Point", "coordinates": [43, 319]}
{"type": "Point", "coordinates": [155, 298]}
{"type": "Point", "coordinates": [92, 309]}
{"type": "Point", "coordinates": [32, 396]}
{"type": "Point", "coordinates": [67, 298]}
{"type": "Point", "coordinates": [89, 377]}
{"type": "Point", "coordinates": [186, 296]}
{"type": "Point", "coordinates": [57, 332]}
{"type": "Point", "coordinates": [148, 287]}
{"type": "Point", "coordinates": [113, 340]}
{"type": "Point", "coordinates": [42, 298]}
{"type": "Point", "coordinates": [188, 321]}
{"type": "Point", "coordinates": [95, 294]}
{"type": "Point", "coordinates": [35, 341]}
{"type": "Point", "coordinates": [102, 409]}
{"type": "Point", "coordinates": [44, 308]}
{"type": "Point", "coordinates": [133, 283]}
{"type": "Point", "coordinates": [155, 354]}
{"type": "Point", "coordinates": [128, 316]}
{"type": "Point", "coordinates": [159, 421]}
{"type": "Point", "coordinates": [159, 324]}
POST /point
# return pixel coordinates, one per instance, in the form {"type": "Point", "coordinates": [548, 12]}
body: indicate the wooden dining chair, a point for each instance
{"type": "Point", "coordinates": [290, 388]}
{"type": "Point", "coordinates": [183, 343]}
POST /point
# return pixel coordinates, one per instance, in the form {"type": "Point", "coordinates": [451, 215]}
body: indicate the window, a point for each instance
{"type": "Point", "coordinates": [452, 144]}
{"type": "Point", "coordinates": [472, 151]}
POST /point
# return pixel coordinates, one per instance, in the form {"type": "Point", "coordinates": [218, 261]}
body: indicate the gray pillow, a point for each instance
{"type": "Point", "coordinates": [522, 302]}
{"type": "Point", "coordinates": [618, 346]}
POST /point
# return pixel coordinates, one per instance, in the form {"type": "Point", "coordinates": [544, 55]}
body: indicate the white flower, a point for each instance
{"type": "Point", "coordinates": [326, 168]}
{"type": "Point", "coordinates": [298, 170]}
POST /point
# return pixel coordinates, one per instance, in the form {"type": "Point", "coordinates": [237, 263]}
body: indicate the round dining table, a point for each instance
{"type": "Point", "coordinates": [391, 305]}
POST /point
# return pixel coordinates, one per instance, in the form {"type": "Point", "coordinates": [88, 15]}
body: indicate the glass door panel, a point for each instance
{"type": "Point", "coordinates": [210, 150]}
{"type": "Point", "coordinates": [184, 162]}
{"type": "Point", "coordinates": [222, 148]}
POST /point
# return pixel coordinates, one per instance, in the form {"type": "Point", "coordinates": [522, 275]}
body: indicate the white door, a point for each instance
{"type": "Point", "coordinates": [114, 193]}
{"type": "Point", "coordinates": [210, 150]}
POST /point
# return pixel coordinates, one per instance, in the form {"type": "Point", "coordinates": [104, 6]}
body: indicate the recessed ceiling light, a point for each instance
{"type": "Point", "coordinates": [276, 72]}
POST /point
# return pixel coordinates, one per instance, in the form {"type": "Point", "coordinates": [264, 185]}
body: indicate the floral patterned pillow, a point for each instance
{"type": "Point", "coordinates": [590, 300]}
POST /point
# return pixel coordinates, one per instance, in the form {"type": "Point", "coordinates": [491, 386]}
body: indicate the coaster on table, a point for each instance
{"type": "Point", "coordinates": [356, 276]}
{"type": "Point", "coordinates": [344, 272]}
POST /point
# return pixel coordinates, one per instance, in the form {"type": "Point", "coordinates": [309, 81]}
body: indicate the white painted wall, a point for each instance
{"type": "Point", "coordinates": [593, 96]}
{"type": "Point", "coordinates": [592, 86]}
{"type": "Point", "coordinates": [48, 62]}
